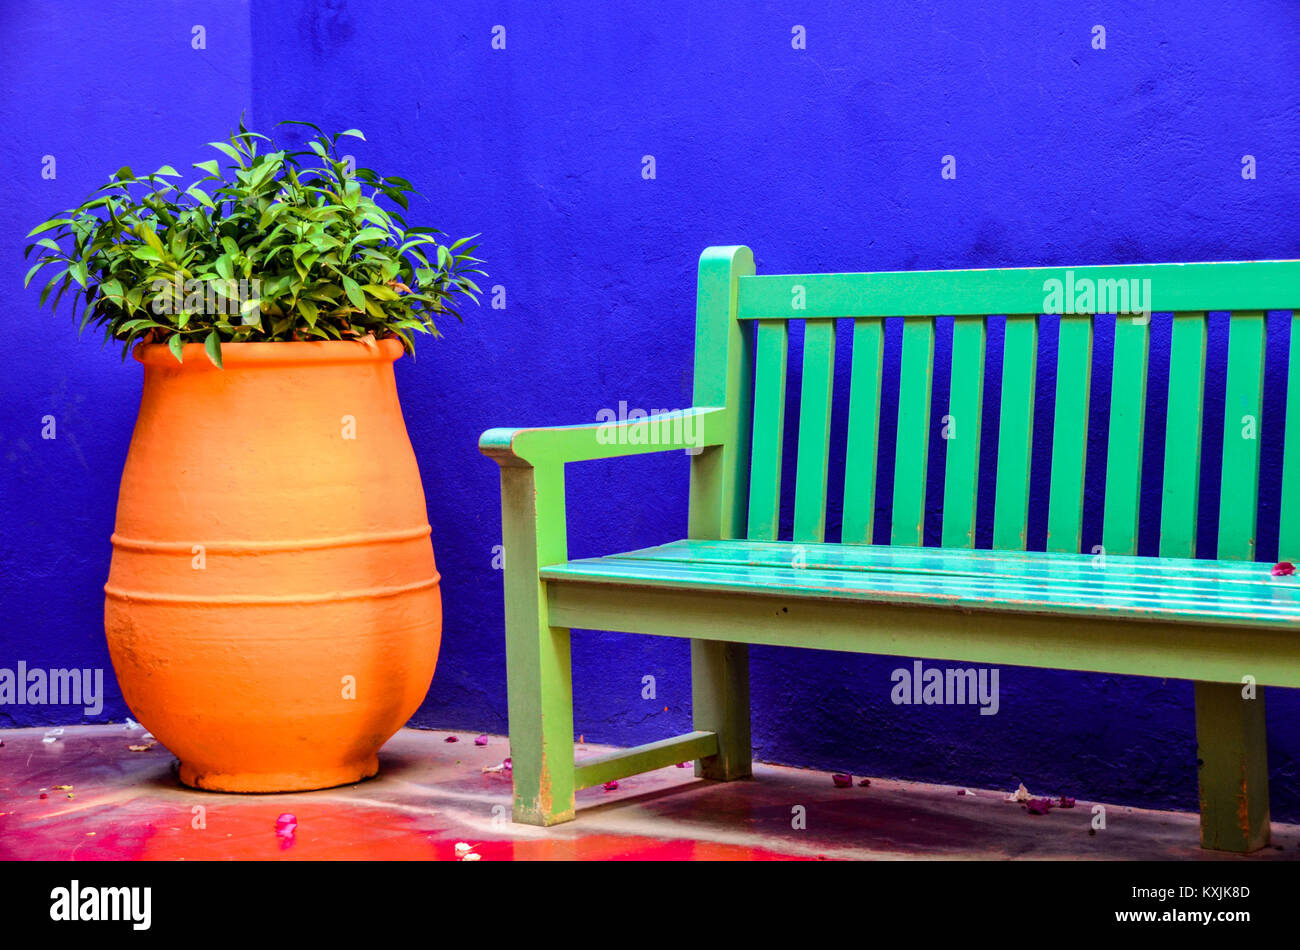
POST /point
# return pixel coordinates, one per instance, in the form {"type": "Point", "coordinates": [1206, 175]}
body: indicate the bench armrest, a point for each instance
{"type": "Point", "coordinates": [689, 429]}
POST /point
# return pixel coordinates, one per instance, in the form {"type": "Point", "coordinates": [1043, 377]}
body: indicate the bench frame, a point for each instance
{"type": "Point", "coordinates": [539, 613]}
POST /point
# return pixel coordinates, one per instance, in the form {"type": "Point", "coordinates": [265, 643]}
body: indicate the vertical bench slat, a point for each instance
{"type": "Point", "coordinates": [1288, 535]}
{"type": "Point", "coordinates": [1015, 432]}
{"type": "Point", "coordinates": [864, 430]}
{"type": "Point", "coordinates": [1180, 490]}
{"type": "Point", "coordinates": [814, 430]}
{"type": "Point", "coordinates": [1070, 434]}
{"type": "Point", "coordinates": [771, 348]}
{"type": "Point", "coordinates": [1243, 405]}
{"type": "Point", "coordinates": [913, 443]}
{"type": "Point", "coordinates": [1128, 398]}
{"type": "Point", "coordinates": [965, 410]}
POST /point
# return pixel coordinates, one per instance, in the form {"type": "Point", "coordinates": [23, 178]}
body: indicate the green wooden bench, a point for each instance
{"type": "Point", "coordinates": [731, 582]}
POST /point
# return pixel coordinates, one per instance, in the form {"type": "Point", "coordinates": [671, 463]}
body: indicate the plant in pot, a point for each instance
{"type": "Point", "coordinates": [272, 609]}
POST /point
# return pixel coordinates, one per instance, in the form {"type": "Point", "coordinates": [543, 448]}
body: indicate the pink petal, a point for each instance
{"type": "Point", "coordinates": [864, 782]}
{"type": "Point", "coordinates": [610, 786]}
{"type": "Point", "coordinates": [1283, 569]}
{"type": "Point", "coordinates": [1038, 806]}
{"type": "Point", "coordinates": [841, 780]}
{"type": "Point", "coordinates": [451, 739]}
{"type": "Point", "coordinates": [286, 825]}
{"type": "Point", "coordinates": [481, 740]}
{"type": "Point", "coordinates": [683, 765]}
{"type": "Point", "coordinates": [1065, 802]}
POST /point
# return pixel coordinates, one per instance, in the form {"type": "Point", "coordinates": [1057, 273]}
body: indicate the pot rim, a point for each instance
{"type": "Point", "coordinates": [266, 353]}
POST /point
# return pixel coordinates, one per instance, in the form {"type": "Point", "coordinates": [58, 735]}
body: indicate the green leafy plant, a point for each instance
{"type": "Point", "coordinates": [274, 245]}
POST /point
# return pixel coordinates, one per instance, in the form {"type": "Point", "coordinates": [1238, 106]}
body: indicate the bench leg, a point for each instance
{"type": "Point", "coordinates": [538, 668]}
{"type": "Point", "coordinates": [720, 703]}
{"type": "Point", "coordinates": [1233, 767]}
{"type": "Point", "coordinates": [541, 728]}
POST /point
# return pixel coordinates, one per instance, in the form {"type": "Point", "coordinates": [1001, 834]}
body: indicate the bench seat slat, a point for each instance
{"type": "Point", "coordinates": [1063, 584]}
{"type": "Point", "coordinates": [1120, 570]}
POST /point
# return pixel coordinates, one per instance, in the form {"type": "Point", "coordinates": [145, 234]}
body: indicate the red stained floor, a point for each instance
{"type": "Point", "coordinates": [432, 795]}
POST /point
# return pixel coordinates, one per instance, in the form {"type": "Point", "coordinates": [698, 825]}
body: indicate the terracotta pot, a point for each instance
{"type": "Point", "coordinates": [272, 609]}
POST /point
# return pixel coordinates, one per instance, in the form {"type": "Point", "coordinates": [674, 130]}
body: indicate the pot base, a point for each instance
{"type": "Point", "coordinates": [267, 782]}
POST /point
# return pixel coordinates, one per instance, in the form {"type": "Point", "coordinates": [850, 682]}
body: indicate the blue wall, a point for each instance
{"type": "Point", "coordinates": [820, 159]}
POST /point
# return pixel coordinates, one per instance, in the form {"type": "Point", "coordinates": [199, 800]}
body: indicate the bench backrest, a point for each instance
{"type": "Point", "coordinates": [743, 349]}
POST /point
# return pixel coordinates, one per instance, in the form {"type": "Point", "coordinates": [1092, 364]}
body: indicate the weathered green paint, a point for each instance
{"type": "Point", "coordinates": [1070, 434]}
{"type": "Point", "coordinates": [814, 430]}
{"type": "Point", "coordinates": [537, 651]}
{"type": "Point", "coordinates": [720, 705]}
{"type": "Point", "coordinates": [962, 432]}
{"type": "Point", "coordinates": [1232, 766]}
{"type": "Point", "coordinates": [1210, 621]}
{"type": "Point", "coordinates": [864, 428]}
{"type": "Point", "coordinates": [912, 449]}
{"type": "Point", "coordinates": [1180, 488]}
{"type": "Point", "coordinates": [599, 769]}
{"type": "Point", "coordinates": [1015, 432]}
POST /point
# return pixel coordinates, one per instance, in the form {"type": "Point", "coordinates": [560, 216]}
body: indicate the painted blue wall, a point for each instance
{"type": "Point", "coordinates": [820, 159]}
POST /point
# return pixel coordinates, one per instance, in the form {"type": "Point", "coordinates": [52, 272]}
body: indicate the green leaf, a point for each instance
{"type": "Point", "coordinates": [355, 295]}
{"type": "Point", "coordinates": [48, 226]}
{"type": "Point", "coordinates": [212, 345]}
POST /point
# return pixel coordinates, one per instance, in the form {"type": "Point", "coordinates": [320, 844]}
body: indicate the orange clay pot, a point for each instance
{"type": "Point", "coordinates": [272, 609]}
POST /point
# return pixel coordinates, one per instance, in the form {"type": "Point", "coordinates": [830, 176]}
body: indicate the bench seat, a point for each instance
{"type": "Point", "coordinates": [1203, 592]}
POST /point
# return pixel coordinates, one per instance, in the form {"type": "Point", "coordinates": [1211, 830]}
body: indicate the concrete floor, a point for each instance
{"type": "Point", "coordinates": [432, 794]}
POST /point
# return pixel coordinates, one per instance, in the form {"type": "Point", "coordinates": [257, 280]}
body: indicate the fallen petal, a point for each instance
{"type": "Point", "coordinates": [463, 848]}
{"type": "Point", "coordinates": [286, 825]}
{"type": "Point", "coordinates": [610, 786]}
{"type": "Point", "coordinates": [1038, 806]}
{"type": "Point", "coordinates": [1065, 802]}
{"type": "Point", "coordinates": [451, 739]}
{"type": "Point", "coordinates": [1283, 569]}
{"type": "Point", "coordinates": [864, 782]}
{"type": "Point", "coordinates": [1019, 795]}
{"type": "Point", "coordinates": [841, 780]}
{"type": "Point", "coordinates": [481, 740]}
{"type": "Point", "coordinates": [473, 856]}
